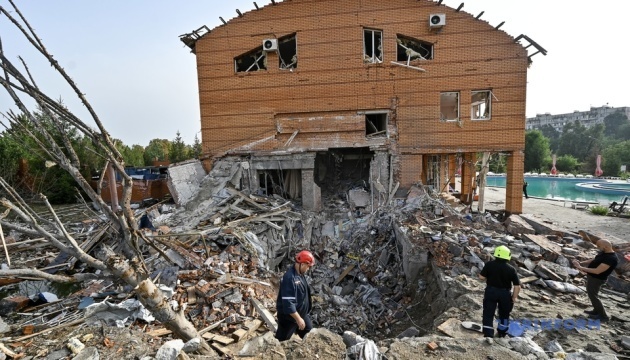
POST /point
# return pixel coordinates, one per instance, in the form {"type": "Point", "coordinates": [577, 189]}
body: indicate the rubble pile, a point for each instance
{"type": "Point", "coordinates": [411, 265]}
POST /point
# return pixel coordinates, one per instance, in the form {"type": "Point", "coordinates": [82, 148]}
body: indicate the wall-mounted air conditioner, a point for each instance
{"type": "Point", "coordinates": [270, 45]}
{"type": "Point", "coordinates": [437, 20]}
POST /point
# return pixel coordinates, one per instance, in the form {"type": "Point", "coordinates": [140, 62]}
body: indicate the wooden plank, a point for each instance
{"type": "Point", "coordinates": [544, 243]}
{"type": "Point", "coordinates": [265, 314]}
{"type": "Point", "coordinates": [343, 274]}
{"type": "Point", "coordinates": [159, 332]}
{"type": "Point", "coordinates": [192, 295]}
{"type": "Point", "coordinates": [234, 192]}
{"type": "Point", "coordinates": [528, 279]}
{"type": "Point", "coordinates": [222, 350]}
{"type": "Point", "coordinates": [223, 340]}
{"type": "Point", "coordinates": [239, 334]}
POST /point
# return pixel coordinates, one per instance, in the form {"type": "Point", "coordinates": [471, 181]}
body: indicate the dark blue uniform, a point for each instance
{"type": "Point", "coordinates": [294, 296]}
{"type": "Point", "coordinates": [500, 278]}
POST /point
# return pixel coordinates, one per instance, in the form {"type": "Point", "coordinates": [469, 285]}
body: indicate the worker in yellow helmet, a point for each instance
{"type": "Point", "coordinates": [499, 276]}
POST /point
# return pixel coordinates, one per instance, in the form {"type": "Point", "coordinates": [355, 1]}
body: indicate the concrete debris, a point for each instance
{"type": "Point", "coordinates": [389, 279]}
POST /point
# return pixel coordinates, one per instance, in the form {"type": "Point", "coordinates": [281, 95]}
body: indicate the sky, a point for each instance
{"type": "Point", "coordinates": [126, 56]}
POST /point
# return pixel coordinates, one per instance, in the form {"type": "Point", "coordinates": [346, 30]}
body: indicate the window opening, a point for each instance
{"type": "Point", "coordinates": [449, 106]}
{"type": "Point", "coordinates": [372, 46]}
{"type": "Point", "coordinates": [433, 171]}
{"type": "Point", "coordinates": [375, 124]}
{"type": "Point", "coordinates": [287, 52]}
{"type": "Point", "coordinates": [481, 105]}
{"type": "Point", "coordinates": [255, 60]}
{"type": "Point", "coordinates": [410, 49]}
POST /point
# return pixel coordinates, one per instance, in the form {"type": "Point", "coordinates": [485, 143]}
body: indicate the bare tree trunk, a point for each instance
{"type": "Point", "coordinates": [56, 145]}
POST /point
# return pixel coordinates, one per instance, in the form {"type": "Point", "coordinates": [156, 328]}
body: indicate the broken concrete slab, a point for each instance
{"type": "Point", "coordinates": [358, 198]}
{"type": "Point", "coordinates": [184, 180]}
{"type": "Point", "coordinates": [516, 225]}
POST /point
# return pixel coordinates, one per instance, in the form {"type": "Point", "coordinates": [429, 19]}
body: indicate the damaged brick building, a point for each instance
{"type": "Point", "coordinates": [383, 93]}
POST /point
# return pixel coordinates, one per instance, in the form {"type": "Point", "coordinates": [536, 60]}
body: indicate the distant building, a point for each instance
{"type": "Point", "coordinates": [587, 118]}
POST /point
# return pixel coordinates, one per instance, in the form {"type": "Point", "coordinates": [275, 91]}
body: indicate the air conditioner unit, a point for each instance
{"type": "Point", "coordinates": [270, 44]}
{"type": "Point", "coordinates": [437, 20]}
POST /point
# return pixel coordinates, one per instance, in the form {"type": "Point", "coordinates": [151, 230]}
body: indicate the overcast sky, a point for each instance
{"type": "Point", "coordinates": [127, 58]}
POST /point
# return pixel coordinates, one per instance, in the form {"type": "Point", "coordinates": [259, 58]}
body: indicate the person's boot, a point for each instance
{"type": "Point", "coordinates": [590, 312]}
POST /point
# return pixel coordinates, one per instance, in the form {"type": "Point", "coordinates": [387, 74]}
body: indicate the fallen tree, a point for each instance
{"type": "Point", "coordinates": [54, 142]}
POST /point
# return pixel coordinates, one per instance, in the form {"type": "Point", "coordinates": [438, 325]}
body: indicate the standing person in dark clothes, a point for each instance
{"type": "Point", "coordinates": [597, 271]}
{"type": "Point", "coordinates": [499, 276]}
{"type": "Point", "coordinates": [525, 189]}
{"type": "Point", "coordinates": [294, 299]}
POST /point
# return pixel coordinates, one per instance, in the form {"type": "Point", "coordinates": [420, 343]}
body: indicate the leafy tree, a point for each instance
{"type": "Point", "coordinates": [613, 124]}
{"type": "Point", "coordinates": [178, 151]}
{"type": "Point", "coordinates": [196, 150]}
{"type": "Point", "coordinates": [615, 156]}
{"type": "Point", "coordinates": [553, 135]}
{"type": "Point", "coordinates": [567, 163]}
{"type": "Point", "coordinates": [497, 163]}
{"type": "Point", "coordinates": [157, 150]}
{"type": "Point", "coordinates": [536, 150]}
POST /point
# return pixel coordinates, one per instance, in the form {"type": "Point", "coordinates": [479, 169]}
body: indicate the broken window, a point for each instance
{"type": "Point", "coordinates": [449, 106]}
{"type": "Point", "coordinates": [410, 49]}
{"type": "Point", "coordinates": [286, 183]}
{"type": "Point", "coordinates": [480, 105]}
{"type": "Point", "coordinates": [287, 52]}
{"type": "Point", "coordinates": [254, 60]}
{"type": "Point", "coordinates": [372, 46]}
{"type": "Point", "coordinates": [375, 124]}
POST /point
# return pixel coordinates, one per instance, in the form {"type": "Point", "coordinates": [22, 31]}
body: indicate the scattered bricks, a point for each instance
{"type": "Point", "coordinates": [432, 346]}
{"type": "Point", "coordinates": [192, 296]}
{"type": "Point", "coordinates": [625, 342]}
{"type": "Point", "coordinates": [13, 304]}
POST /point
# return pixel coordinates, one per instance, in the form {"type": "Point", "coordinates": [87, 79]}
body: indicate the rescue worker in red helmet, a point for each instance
{"type": "Point", "coordinates": [499, 276]}
{"type": "Point", "coordinates": [294, 299]}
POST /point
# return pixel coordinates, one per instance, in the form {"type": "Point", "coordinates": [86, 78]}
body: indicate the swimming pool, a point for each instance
{"type": "Point", "coordinates": [598, 190]}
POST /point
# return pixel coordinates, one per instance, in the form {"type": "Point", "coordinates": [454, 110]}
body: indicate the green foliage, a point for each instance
{"type": "Point", "coordinates": [195, 151]}
{"type": "Point", "coordinates": [536, 150]}
{"type": "Point", "coordinates": [614, 122]}
{"type": "Point", "coordinates": [553, 135]}
{"type": "Point", "coordinates": [599, 210]}
{"type": "Point", "coordinates": [157, 150]}
{"type": "Point", "coordinates": [178, 151]}
{"type": "Point", "coordinates": [567, 164]}
{"type": "Point", "coordinates": [614, 156]}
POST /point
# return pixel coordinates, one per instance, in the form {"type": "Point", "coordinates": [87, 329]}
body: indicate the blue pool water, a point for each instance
{"type": "Point", "coordinates": [562, 189]}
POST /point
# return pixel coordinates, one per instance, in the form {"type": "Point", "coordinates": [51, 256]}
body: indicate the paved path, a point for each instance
{"type": "Point", "coordinates": [561, 214]}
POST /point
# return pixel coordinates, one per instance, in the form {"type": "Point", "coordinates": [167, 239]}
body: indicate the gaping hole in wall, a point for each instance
{"type": "Point", "coordinates": [285, 183]}
{"type": "Point", "coordinates": [287, 49]}
{"type": "Point", "coordinates": [480, 105]}
{"type": "Point", "coordinates": [410, 49]}
{"type": "Point", "coordinates": [254, 60]}
{"type": "Point", "coordinates": [449, 106]}
{"type": "Point", "coordinates": [376, 124]}
{"type": "Point", "coordinates": [372, 46]}
{"type": "Point", "coordinates": [339, 170]}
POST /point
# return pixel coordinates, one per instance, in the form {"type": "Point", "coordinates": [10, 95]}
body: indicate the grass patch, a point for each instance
{"type": "Point", "coordinates": [599, 210]}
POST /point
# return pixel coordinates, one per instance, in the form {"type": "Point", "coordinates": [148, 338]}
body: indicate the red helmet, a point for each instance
{"type": "Point", "coordinates": [305, 257]}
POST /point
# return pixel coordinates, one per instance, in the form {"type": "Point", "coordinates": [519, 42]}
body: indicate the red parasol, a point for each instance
{"type": "Point", "coordinates": [598, 170]}
{"type": "Point", "coordinates": [553, 167]}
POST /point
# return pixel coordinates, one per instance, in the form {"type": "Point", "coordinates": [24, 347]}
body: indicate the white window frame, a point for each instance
{"type": "Point", "coordinates": [474, 106]}
{"type": "Point", "coordinates": [373, 59]}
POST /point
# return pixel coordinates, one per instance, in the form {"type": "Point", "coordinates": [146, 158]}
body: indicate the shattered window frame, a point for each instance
{"type": "Point", "coordinates": [376, 123]}
{"type": "Point", "coordinates": [409, 49]}
{"type": "Point", "coordinates": [480, 105]}
{"type": "Point", "coordinates": [446, 106]}
{"type": "Point", "coordinates": [287, 54]}
{"type": "Point", "coordinates": [257, 61]}
{"type": "Point", "coordinates": [370, 34]}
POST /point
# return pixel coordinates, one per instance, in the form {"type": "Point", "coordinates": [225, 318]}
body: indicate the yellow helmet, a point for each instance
{"type": "Point", "coordinates": [502, 252]}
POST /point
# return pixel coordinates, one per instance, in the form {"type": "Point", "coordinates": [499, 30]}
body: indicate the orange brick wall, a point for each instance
{"type": "Point", "coordinates": [243, 110]}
